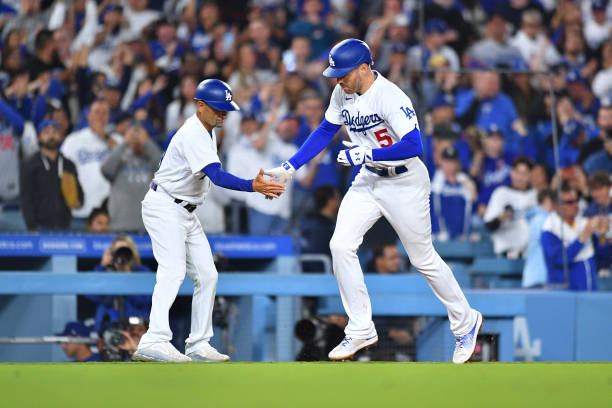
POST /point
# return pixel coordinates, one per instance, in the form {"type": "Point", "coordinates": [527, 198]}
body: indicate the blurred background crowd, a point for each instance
{"type": "Point", "coordinates": [92, 91]}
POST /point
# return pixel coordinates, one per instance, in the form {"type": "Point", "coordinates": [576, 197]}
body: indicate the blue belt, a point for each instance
{"type": "Point", "coordinates": [182, 203]}
{"type": "Point", "coordinates": [389, 171]}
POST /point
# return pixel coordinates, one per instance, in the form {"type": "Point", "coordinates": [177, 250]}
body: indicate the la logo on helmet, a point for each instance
{"type": "Point", "coordinates": [331, 62]}
{"type": "Point", "coordinates": [228, 95]}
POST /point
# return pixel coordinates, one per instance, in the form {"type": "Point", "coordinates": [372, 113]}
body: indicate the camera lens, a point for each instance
{"type": "Point", "coordinates": [123, 256]}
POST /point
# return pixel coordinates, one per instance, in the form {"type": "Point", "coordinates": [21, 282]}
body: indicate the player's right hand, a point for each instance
{"type": "Point", "coordinates": [281, 174]}
{"type": "Point", "coordinates": [266, 187]}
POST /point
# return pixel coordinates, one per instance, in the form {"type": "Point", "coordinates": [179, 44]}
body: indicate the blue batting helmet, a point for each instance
{"type": "Point", "coordinates": [346, 56]}
{"type": "Point", "coordinates": [217, 94]}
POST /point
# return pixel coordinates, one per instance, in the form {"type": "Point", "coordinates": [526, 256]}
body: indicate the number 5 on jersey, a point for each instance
{"type": "Point", "coordinates": [383, 138]}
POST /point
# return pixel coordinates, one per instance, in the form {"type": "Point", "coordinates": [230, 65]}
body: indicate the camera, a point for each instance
{"type": "Point", "coordinates": [111, 340]}
{"type": "Point", "coordinates": [318, 337]}
{"type": "Point", "coordinates": [123, 256]}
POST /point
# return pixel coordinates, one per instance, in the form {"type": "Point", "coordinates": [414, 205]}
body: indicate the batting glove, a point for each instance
{"type": "Point", "coordinates": [354, 155]}
{"type": "Point", "coordinates": [281, 174]}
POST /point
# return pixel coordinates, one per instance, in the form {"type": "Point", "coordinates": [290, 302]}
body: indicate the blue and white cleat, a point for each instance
{"type": "Point", "coordinates": [349, 346]}
{"type": "Point", "coordinates": [465, 345]}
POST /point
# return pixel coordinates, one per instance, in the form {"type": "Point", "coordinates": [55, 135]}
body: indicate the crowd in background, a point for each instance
{"type": "Point", "coordinates": [92, 91]}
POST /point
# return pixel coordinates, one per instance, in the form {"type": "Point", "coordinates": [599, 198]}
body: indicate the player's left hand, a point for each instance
{"type": "Point", "coordinates": [354, 155]}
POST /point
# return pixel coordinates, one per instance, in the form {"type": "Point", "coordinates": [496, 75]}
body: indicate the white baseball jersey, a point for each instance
{"type": "Point", "coordinates": [513, 233]}
{"type": "Point", "coordinates": [378, 118]}
{"type": "Point", "coordinates": [88, 150]}
{"type": "Point", "coordinates": [180, 171]}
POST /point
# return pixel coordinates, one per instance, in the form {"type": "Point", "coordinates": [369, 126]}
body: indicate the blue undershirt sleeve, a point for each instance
{"type": "Point", "coordinates": [316, 142]}
{"type": "Point", "coordinates": [410, 146]}
{"type": "Point", "coordinates": [226, 180]}
{"type": "Point", "coordinates": [12, 116]}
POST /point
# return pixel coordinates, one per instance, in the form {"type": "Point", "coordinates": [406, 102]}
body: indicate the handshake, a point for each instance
{"type": "Point", "coordinates": [353, 156]}
{"type": "Point", "coordinates": [280, 177]}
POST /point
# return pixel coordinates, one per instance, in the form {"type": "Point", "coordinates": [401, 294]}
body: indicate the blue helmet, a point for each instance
{"type": "Point", "coordinates": [217, 94]}
{"type": "Point", "coordinates": [346, 56]}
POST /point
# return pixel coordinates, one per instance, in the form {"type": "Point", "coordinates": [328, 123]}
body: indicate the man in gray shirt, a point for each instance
{"type": "Point", "coordinates": [494, 48]}
{"type": "Point", "coordinates": [129, 168]}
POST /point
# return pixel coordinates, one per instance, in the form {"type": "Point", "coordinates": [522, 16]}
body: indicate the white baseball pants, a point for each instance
{"type": "Point", "coordinates": [404, 201]}
{"type": "Point", "coordinates": [180, 247]}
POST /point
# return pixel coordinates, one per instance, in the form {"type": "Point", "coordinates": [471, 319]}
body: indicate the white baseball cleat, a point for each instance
{"type": "Point", "coordinates": [207, 354]}
{"type": "Point", "coordinates": [465, 345]}
{"type": "Point", "coordinates": [349, 346]}
{"type": "Point", "coordinates": [162, 352]}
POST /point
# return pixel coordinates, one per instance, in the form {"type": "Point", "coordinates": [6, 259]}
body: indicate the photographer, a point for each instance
{"type": "Point", "coordinates": [120, 341]}
{"type": "Point", "coordinates": [122, 256]}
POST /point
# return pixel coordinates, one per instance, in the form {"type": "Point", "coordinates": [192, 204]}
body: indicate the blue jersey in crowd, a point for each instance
{"type": "Point", "coordinates": [451, 205]}
{"type": "Point", "coordinates": [496, 172]}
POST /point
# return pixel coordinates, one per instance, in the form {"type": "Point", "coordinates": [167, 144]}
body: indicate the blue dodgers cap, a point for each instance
{"type": "Point", "coordinates": [599, 5]}
{"type": "Point", "coordinates": [46, 123]}
{"type": "Point", "coordinates": [346, 56]}
{"type": "Point", "coordinates": [443, 99]}
{"type": "Point", "coordinates": [77, 329]}
{"type": "Point", "coordinates": [435, 26]}
{"type": "Point", "coordinates": [216, 94]}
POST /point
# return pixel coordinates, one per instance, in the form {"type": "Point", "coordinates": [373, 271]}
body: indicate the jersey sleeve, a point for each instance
{"type": "Point", "coordinates": [398, 112]}
{"type": "Point", "coordinates": [496, 205]}
{"type": "Point", "coordinates": [333, 114]}
{"type": "Point", "coordinates": [199, 153]}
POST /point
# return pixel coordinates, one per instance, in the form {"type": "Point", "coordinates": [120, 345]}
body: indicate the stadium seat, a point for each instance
{"type": "Point", "coordinates": [491, 272]}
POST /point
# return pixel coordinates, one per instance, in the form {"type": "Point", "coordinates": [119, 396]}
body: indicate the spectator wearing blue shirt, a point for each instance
{"type": "Point", "coordinates": [600, 185]}
{"type": "Point", "coordinates": [575, 55]}
{"type": "Point", "coordinates": [166, 48]}
{"type": "Point", "coordinates": [208, 22]}
{"type": "Point", "coordinates": [79, 352]}
{"type": "Point", "coordinates": [573, 136]}
{"type": "Point", "coordinates": [452, 196]}
{"type": "Point", "coordinates": [485, 105]}
{"type": "Point", "coordinates": [490, 166]}
{"type": "Point", "coordinates": [534, 271]}
{"type": "Point", "coordinates": [583, 239]}
{"type": "Point", "coordinates": [443, 132]}
{"type": "Point", "coordinates": [583, 99]}
{"type": "Point", "coordinates": [601, 160]}
{"type": "Point", "coordinates": [121, 257]}
{"type": "Point", "coordinates": [312, 24]}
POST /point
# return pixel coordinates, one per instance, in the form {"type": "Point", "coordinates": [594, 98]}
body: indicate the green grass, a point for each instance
{"type": "Point", "coordinates": [350, 384]}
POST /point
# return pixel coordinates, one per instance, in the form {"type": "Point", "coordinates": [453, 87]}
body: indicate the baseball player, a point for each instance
{"type": "Point", "coordinates": [180, 184]}
{"type": "Point", "coordinates": [393, 182]}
